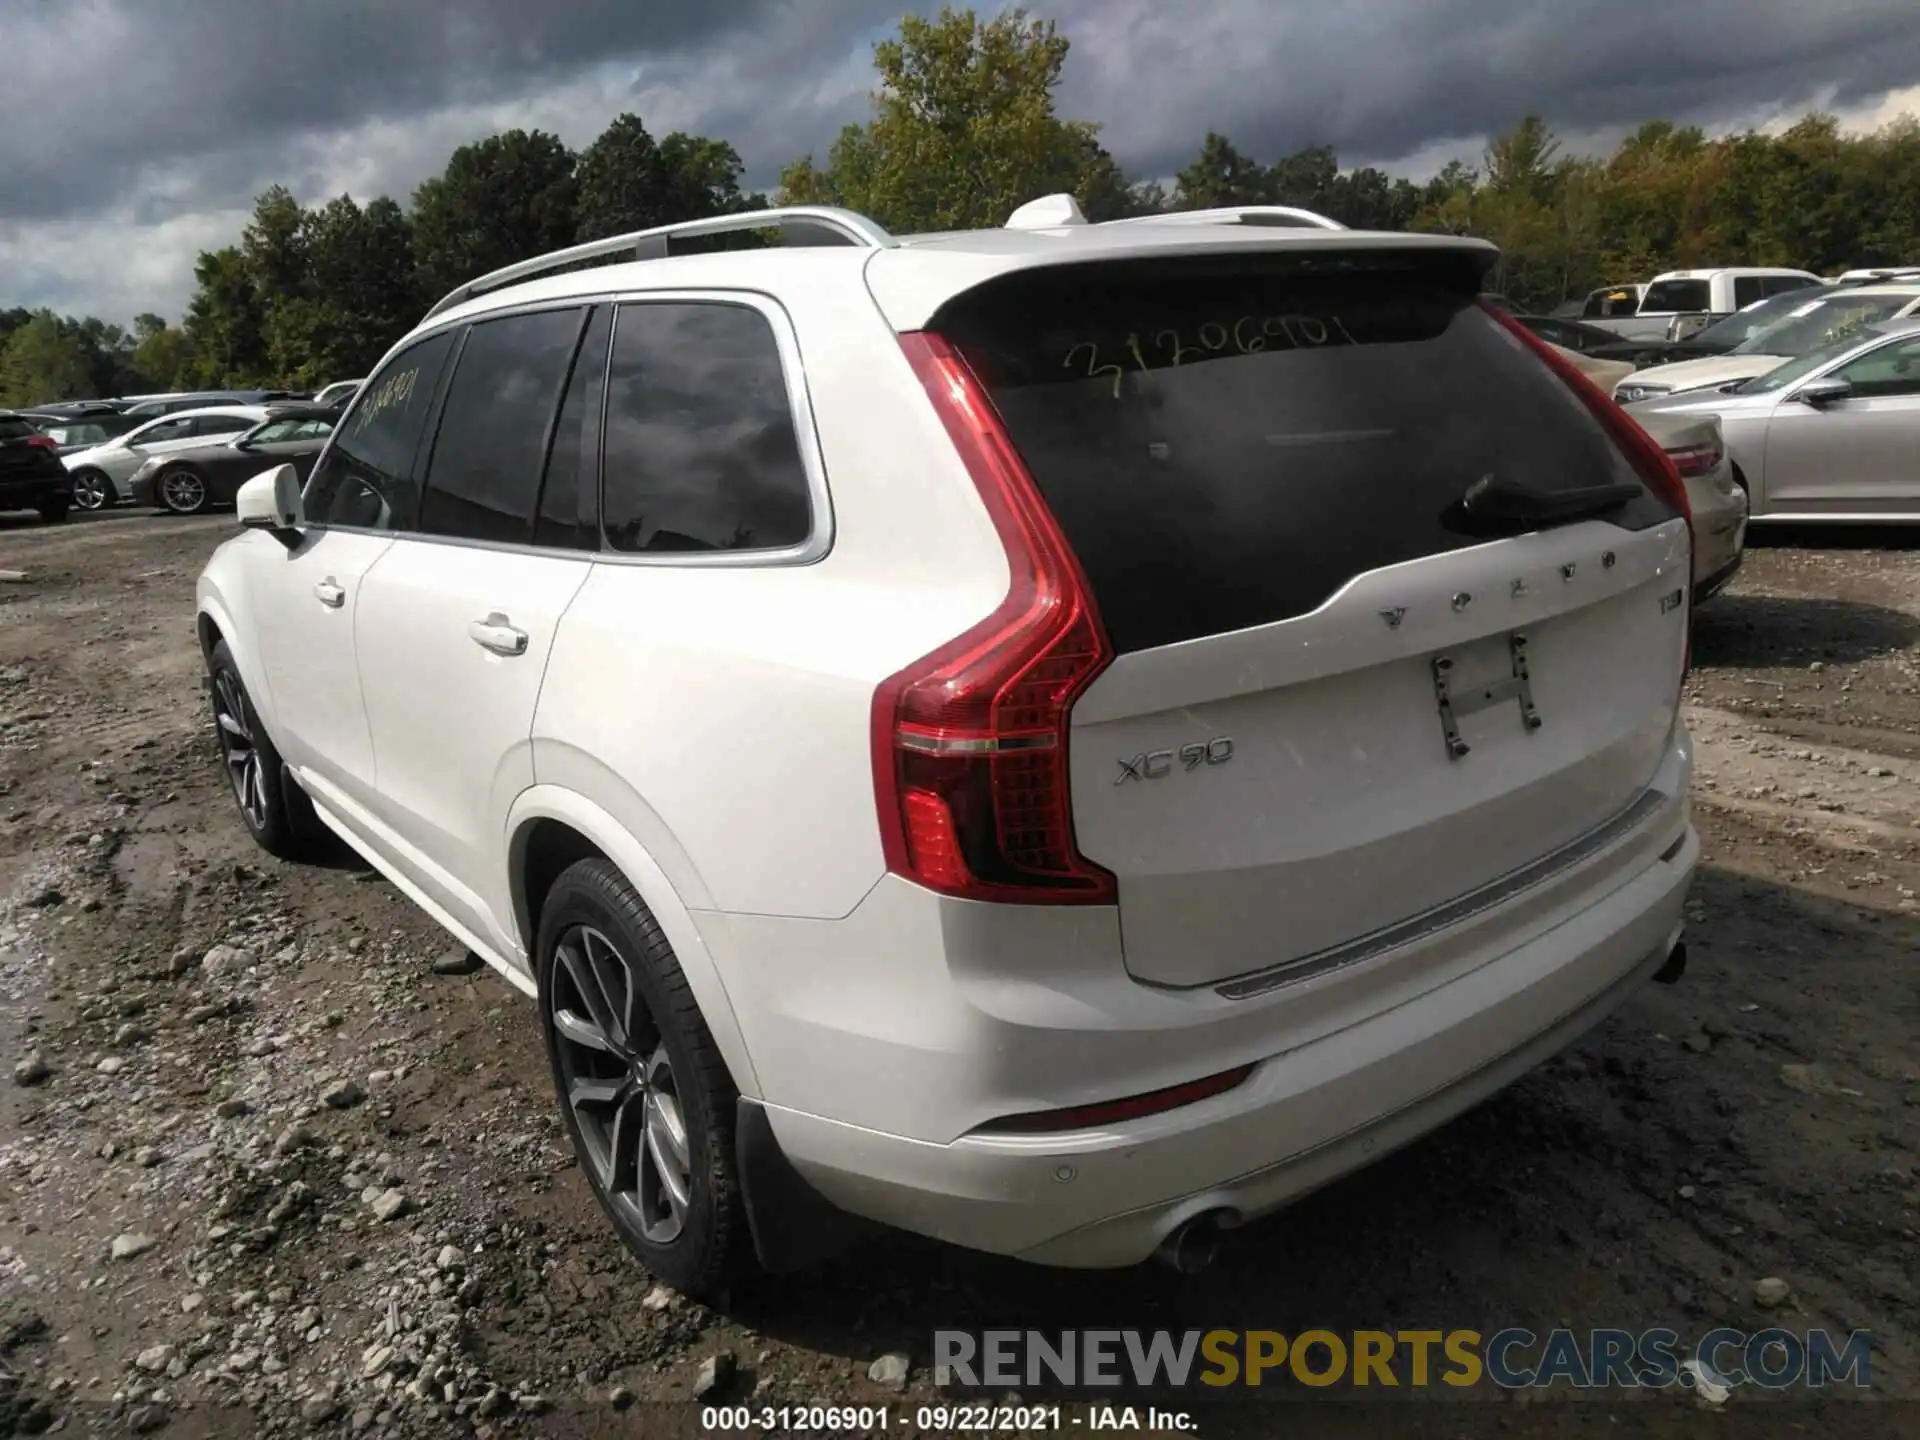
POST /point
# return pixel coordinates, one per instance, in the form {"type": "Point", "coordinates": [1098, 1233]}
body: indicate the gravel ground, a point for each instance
{"type": "Point", "coordinates": [264, 1169]}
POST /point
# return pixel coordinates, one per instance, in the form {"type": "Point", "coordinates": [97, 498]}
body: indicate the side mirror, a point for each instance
{"type": "Point", "coordinates": [240, 442]}
{"type": "Point", "coordinates": [1823, 391]}
{"type": "Point", "coordinates": [271, 502]}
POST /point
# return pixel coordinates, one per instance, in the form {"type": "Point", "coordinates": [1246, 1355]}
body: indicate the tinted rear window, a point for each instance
{"type": "Point", "coordinates": [1665, 295]}
{"type": "Point", "coordinates": [11, 429]}
{"type": "Point", "coordinates": [1228, 447]}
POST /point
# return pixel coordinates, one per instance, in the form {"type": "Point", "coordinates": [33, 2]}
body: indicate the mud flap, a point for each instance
{"type": "Point", "coordinates": [793, 1225]}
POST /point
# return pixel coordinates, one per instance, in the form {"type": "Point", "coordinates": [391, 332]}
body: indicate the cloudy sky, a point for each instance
{"type": "Point", "coordinates": [134, 133]}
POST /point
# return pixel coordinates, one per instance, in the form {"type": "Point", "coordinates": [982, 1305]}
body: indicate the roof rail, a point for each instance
{"type": "Point", "coordinates": [845, 227]}
{"type": "Point", "coordinates": [1286, 215]}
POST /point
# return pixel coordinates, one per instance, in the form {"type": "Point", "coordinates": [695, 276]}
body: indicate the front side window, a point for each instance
{"type": "Point", "coordinates": [484, 479]}
{"type": "Point", "coordinates": [366, 479]}
{"type": "Point", "coordinates": [1891, 370]}
{"type": "Point", "coordinates": [217, 425]}
{"type": "Point", "coordinates": [700, 451]}
{"type": "Point", "coordinates": [568, 495]}
{"type": "Point", "coordinates": [275, 432]}
{"type": "Point", "coordinates": [1747, 289]}
{"type": "Point", "coordinates": [1787, 284]}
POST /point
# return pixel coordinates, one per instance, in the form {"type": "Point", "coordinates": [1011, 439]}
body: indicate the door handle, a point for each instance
{"type": "Point", "coordinates": [497, 634]}
{"type": "Point", "coordinates": [328, 593]}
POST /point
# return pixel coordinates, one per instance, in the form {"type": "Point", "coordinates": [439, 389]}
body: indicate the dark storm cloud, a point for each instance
{"type": "Point", "coordinates": [1379, 79]}
{"type": "Point", "coordinates": [133, 132]}
{"type": "Point", "coordinates": [100, 93]}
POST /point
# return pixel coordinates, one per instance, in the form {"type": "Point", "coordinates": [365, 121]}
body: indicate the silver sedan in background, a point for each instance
{"type": "Point", "coordinates": [1831, 436]}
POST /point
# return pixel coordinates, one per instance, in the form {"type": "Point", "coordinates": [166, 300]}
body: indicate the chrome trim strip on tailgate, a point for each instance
{"type": "Point", "coordinates": [1463, 907]}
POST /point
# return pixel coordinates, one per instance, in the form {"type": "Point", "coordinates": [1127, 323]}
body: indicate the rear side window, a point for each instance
{"type": "Point", "coordinates": [700, 451]}
{"type": "Point", "coordinates": [1665, 295]}
{"type": "Point", "coordinates": [484, 480]}
{"type": "Point", "coordinates": [1227, 447]}
{"type": "Point", "coordinates": [1786, 284]}
{"type": "Point", "coordinates": [366, 479]}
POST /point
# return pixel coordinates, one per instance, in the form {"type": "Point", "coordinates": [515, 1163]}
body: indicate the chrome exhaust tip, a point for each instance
{"type": "Point", "coordinates": [1193, 1244]}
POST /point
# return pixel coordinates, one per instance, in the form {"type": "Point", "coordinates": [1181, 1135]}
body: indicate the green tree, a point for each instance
{"type": "Point", "coordinates": [275, 244]}
{"type": "Point", "coordinates": [507, 198]}
{"type": "Point", "coordinates": [1220, 176]}
{"type": "Point", "coordinates": [627, 181]}
{"type": "Point", "coordinates": [226, 321]}
{"type": "Point", "coordinates": [45, 360]}
{"type": "Point", "coordinates": [162, 355]}
{"type": "Point", "coordinates": [963, 129]}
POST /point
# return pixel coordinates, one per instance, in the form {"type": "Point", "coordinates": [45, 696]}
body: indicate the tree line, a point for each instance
{"type": "Point", "coordinates": [963, 129]}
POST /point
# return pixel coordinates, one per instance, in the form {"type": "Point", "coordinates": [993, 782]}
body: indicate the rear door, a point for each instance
{"type": "Point", "coordinates": [1339, 700]}
{"type": "Point", "coordinates": [457, 620]}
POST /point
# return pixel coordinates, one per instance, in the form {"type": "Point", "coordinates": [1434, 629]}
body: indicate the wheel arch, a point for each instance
{"type": "Point", "coordinates": [215, 619]}
{"type": "Point", "coordinates": [548, 829]}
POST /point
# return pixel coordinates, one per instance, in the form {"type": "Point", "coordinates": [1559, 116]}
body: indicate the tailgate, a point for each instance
{"type": "Point", "coordinates": [1395, 613]}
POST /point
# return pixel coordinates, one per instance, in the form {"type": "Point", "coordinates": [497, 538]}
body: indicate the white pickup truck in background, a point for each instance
{"type": "Point", "coordinates": [1710, 294]}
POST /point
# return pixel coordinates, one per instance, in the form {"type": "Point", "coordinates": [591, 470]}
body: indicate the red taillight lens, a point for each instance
{"type": "Point", "coordinates": [42, 442]}
{"type": "Point", "coordinates": [1656, 469]}
{"type": "Point", "coordinates": [1110, 1112]}
{"type": "Point", "coordinates": [970, 742]}
{"type": "Point", "coordinates": [1693, 460]}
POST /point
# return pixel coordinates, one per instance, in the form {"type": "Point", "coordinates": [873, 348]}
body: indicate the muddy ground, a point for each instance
{"type": "Point", "coordinates": [247, 1065]}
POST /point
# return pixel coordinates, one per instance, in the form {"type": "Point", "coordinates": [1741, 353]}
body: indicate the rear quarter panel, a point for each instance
{"type": "Point", "coordinates": [721, 713]}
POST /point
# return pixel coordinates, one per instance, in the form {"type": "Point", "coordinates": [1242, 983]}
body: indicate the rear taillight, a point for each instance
{"type": "Point", "coordinates": [1691, 460]}
{"type": "Point", "coordinates": [43, 442]}
{"type": "Point", "coordinates": [970, 742]}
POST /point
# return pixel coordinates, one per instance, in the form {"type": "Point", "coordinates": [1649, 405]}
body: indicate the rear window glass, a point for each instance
{"type": "Point", "coordinates": [1227, 447]}
{"type": "Point", "coordinates": [1605, 304]}
{"type": "Point", "coordinates": [1665, 295]}
{"type": "Point", "coordinates": [11, 429]}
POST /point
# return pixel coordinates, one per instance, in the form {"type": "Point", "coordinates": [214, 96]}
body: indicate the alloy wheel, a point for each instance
{"type": "Point", "coordinates": [183, 492]}
{"type": "Point", "coordinates": [238, 749]}
{"type": "Point", "coordinates": [89, 490]}
{"type": "Point", "coordinates": [618, 1080]}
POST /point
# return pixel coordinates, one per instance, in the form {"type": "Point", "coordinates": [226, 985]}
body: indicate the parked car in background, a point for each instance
{"type": "Point", "coordinates": [1698, 449]}
{"type": "Point", "coordinates": [1714, 292]}
{"type": "Point", "coordinates": [1191, 851]}
{"type": "Point", "coordinates": [31, 475]}
{"type": "Point", "coordinates": [187, 481]}
{"type": "Point", "coordinates": [1604, 373]}
{"type": "Point", "coordinates": [1815, 323]}
{"type": "Point", "coordinates": [1612, 302]}
{"type": "Point", "coordinates": [100, 475]}
{"type": "Point", "coordinates": [157, 405]}
{"type": "Point", "coordinates": [338, 393]}
{"type": "Point", "coordinates": [1593, 342]}
{"type": "Point", "coordinates": [1833, 435]}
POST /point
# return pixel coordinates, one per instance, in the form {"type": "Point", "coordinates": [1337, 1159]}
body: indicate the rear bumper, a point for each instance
{"type": "Point", "coordinates": [1305, 1118]}
{"type": "Point", "coordinates": [851, 1072]}
{"type": "Point", "coordinates": [1719, 540]}
{"type": "Point", "coordinates": [31, 492]}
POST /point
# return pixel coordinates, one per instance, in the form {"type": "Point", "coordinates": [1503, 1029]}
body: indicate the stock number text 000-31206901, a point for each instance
{"type": "Point", "coordinates": [1213, 340]}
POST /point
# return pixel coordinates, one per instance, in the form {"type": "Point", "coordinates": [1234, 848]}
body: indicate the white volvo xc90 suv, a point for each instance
{"type": "Point", "coordinates": [1060, 739]}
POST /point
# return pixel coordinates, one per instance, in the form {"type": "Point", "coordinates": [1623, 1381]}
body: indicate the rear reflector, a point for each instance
{"type": "Point", "coordinates": [1111, 1112]}
{"type": "Point", "coordinates": [970, 742]}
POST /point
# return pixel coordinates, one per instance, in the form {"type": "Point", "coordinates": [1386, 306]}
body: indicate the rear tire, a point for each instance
{"type": "Point", "coordinates": [645, 1095]}
{"type": "Point", "coordinates": [182, 491]}
{"type": "Point", "coordinates": [54, 512]}
{"type": "Point", "coordinates": [92, 490]}
{"type": "Point", "coordinates": [273, 807]}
